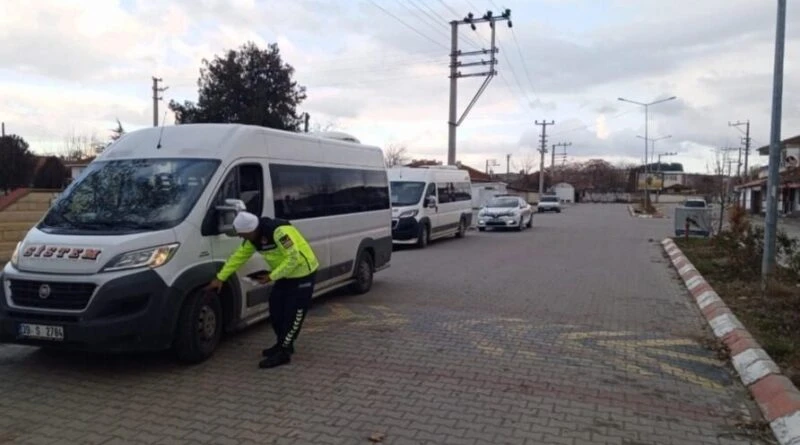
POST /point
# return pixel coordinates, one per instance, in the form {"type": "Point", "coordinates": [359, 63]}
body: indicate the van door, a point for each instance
{"type": "Point", "coordinates": [448, 209]}
{"type": "Point", "coordinates": [244, 181]}
{"type": "Point", "coordinates": [432, 213]}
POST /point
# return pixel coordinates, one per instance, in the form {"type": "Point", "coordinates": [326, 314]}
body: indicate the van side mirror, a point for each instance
{"type": "Point", "coordinates": [226, 213]}
{"type": "Point", "coordinates": [431, 202]}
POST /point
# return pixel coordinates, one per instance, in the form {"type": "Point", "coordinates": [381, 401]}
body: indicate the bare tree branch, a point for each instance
{"type": "Point", "coordinates": [395, 155]}
{"type": "Point", "coordinates": [526, 163]}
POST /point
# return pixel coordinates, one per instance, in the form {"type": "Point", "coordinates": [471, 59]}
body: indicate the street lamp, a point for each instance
{"type": "Point", "coordinates": [664, 154]}
{"type": "Point", "coordinates": [653, 145]}
{"type": "Point", "coordinates": [646, 120]}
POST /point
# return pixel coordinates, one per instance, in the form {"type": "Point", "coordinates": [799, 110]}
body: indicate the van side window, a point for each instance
{"type": "Point", "coordinates": [376, 184]}
{"type": "Point", "coordinates": [463, 191]}
{"type": "Point", "coordinates": [431, 191]}
{"type": "Point", "coordinates": [445, 192]}
{"type": "Point", "coordinates": [299, 191]}
{"type": "Point", "coordinates": [244, 182]}
{"type": "Point", "coordinates": [311, 192]}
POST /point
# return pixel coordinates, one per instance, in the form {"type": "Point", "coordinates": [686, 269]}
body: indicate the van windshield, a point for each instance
{"type": "Point", "coordinates": [503, 202]}
{"type": "Point", "coordinates": [131, 195]}
{"type": "Point", "coordinates": [406, 193]}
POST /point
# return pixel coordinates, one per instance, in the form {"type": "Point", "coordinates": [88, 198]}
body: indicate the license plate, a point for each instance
{"type": "Point", "coordinates": [41, 332]}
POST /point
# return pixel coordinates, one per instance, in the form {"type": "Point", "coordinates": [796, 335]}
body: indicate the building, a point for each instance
{"type": "Point", "coordinates": [565, 192]}
{"type": "Point", "coordinates": [752, 194]}
{"type": "Point", "coordinates": [77, 167]}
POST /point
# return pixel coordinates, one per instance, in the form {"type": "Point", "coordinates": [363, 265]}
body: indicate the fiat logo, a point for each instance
{"type": "Point", "coordinates": [44, 291]}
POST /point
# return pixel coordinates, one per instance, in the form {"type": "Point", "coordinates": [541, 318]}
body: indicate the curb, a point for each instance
{"type": "Point", "coordinates": [776, 396]}
{"type": "Point", "coordinates": [633, 214]}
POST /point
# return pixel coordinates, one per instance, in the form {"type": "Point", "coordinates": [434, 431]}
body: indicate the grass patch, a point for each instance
{"type": "Point", "coordinates": [772, 316]}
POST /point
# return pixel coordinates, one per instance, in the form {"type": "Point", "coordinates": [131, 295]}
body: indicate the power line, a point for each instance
{"type": "Point", "coordinates": [442, 20]}
{"type": "Point", "coordinates": [407, 25]}
{"type": "Point", "coordinates": [453, 11]}
{"type": "Point", "coordinates": [522, 61]}
{"type": "Point", "coordinates": [424, 18]}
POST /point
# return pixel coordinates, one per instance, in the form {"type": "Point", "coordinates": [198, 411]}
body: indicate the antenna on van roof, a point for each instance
{"type": "Point", "coordinates": [161, 133]}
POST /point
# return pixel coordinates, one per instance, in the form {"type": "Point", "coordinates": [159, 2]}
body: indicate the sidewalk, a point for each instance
{"type": "Point", "coordinates": [789, 225]}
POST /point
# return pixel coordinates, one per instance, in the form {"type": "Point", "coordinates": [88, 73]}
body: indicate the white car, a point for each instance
{"type": "Point", "coordinates": [549, 203]}
{"type": "Point", "coordinates": [505, 211]}
{"type": "Point", "coordinates": [695, 203]}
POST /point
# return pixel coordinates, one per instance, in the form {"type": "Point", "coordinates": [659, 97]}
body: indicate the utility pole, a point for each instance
{"type": "Point", "coordinates": [156, 91]}
{"type": "Point", "coordinates": [306, 117]}
{"type": "Point", "coordinates": [490, 163]}
{"type": "Point", "coordinates": [455, 74]}
{"type": "Point", "coordinates": [563, 156]}
{"type": "Point", "coordinates": [3, 129]}
{"type": "Point", "coordinates": [543, 150]}
{"type": "Point", "coordinates": [508, 165]}
{"type": "Point", "coordinates": [771, 226]}
{"type": "Point", "coordinates": [745, 140]}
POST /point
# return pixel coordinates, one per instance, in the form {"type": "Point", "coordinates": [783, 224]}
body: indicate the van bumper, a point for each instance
{"type": "Point", "coordinates": [135, 312]}
{"type": "Point", "coordinates": [405, 229]}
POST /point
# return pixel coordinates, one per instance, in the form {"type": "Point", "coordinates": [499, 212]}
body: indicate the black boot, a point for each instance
{"type": "Point", "coordinates": [274, 349]}
{"type": "Point", "coordinates": [282, 357]}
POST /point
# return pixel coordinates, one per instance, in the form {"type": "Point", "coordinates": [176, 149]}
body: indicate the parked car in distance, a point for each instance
{"type": "Point", "coordinates": [549, 203]}
{"type": "Point", "coordinates": [505, 211]}
{"type": "Point", "coordinates": [699, 203]}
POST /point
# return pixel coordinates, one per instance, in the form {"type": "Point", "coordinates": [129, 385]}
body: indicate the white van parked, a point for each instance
{"type": "Point", "coordinates": [429, 203]}
{"type": "Point", "coordinates": [119, 261]}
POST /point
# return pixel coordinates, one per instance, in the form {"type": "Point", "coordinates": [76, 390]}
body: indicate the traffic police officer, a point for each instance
{"type": "Point", "coordinates": [293, 267]}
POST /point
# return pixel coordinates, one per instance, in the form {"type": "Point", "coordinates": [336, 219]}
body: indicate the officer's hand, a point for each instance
{"type": "Point", "coordinates": [264, 279]}
{"type": "Point", "coordinates": [215, 285]}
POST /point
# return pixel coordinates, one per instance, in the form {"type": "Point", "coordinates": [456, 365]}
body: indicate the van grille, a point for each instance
{"type": "Point", "coordinates": [72, 296]}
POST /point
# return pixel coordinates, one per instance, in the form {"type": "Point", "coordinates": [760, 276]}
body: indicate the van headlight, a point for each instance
{"type": "Point", "coordinates": [15, 255]}
{"type": "Point", "coordinates": [151, 257]}
{"type": "Point", "coordinates": [409, 213]}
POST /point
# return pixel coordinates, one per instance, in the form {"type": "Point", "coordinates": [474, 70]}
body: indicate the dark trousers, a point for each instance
{"type": "Point", "coordinates": [288, 304]}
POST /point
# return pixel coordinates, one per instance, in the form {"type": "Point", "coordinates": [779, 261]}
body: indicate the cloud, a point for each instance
{"type": "Point", "coordinates": [80, 64]}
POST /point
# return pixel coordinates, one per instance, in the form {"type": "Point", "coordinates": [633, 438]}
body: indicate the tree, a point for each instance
{"type": "Point", "coordinates": [79, 147]}
{"type": "Point", "coordinates": [317, 127]}
{"type": "Point", "coordinates": [17, 163]}
{"type": "Point", "coordinates": [246, 86]}
{"type": "Point", "coordinates": [117, 133]}
{"type": "Point", "coordinates": [395, 155]}
{"type": "Point", "coordinates": [52, 174]}
{"type": "Point", "coordinates": [525, 164]}
{"type": "Point", "coordinates": [423, 162]}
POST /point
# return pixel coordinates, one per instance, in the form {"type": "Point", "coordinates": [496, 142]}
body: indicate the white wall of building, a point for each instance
{"type": "Point", "coordinates": [565, 192]}
{"type": "Point", "coordinates": [483, 191]}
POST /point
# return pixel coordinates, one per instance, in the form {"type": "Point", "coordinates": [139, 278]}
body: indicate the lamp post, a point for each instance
{"type": "Point", "coordinates": [664, 154]}
{"type": "Point", "coordinates": [653, 147]}
{"type": "Point", "coordinates": [646, 120]}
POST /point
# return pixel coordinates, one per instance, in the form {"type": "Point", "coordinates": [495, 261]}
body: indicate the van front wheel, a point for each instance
{"type": "Point", "coordinates": [424, 236]}
{"type": "Point", "coordinates": [363, 274]}
{"type": "Point", "coordinates": [199, 327]}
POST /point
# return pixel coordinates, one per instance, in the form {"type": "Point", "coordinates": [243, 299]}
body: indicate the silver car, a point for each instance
{"type": "Point", "coordinates": [505, 211]}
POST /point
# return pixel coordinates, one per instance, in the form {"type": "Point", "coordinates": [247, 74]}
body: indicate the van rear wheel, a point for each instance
{"type": "Point", "coordinates": [363, 275]}
{"type": "Point", "coordinates": [199, 327]}
{"type": "Point", "coordinates": [462, 228]}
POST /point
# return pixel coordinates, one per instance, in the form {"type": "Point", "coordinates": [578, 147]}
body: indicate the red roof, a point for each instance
{"type": "Point", "coordinates": [475, 175]}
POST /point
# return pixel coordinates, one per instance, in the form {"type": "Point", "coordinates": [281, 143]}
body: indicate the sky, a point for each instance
{"type": "Point", "coordinates": [378, 69]}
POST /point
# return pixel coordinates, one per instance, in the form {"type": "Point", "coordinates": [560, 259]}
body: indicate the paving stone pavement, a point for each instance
{"type": "Point", "coordinates": [574, 332]}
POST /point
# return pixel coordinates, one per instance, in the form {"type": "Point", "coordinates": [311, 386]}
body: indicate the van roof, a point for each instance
{"type": "Point", "coordinates": [428, 174]}
{"type": "Point", "coordinates": [220, 141]}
